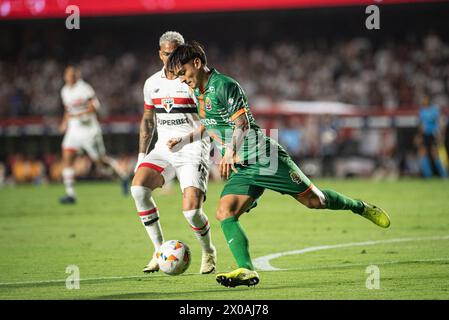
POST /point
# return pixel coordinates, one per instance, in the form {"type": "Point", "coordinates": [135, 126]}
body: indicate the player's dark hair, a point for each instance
{"type": "Point", "coordinates": [72, 65]}
{"type": "Point", "coordinates": [184, 53]}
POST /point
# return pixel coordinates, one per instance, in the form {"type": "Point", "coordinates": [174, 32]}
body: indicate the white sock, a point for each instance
{"type": "Point", "coordinates": [148, 213]}
{"type": "Point", "coordinates": [68, 178]}
{"type": "Point", "coordinates": [200, 225]}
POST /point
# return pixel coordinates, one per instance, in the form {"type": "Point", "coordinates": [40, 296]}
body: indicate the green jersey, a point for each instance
{"type": "Point", "coordinates": [220, 102]}
{"type": "Point", "coordinates": [263, 163]}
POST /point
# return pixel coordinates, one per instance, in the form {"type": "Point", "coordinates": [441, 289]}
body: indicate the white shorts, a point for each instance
{"type": "Point", "coordinates": [91, 141]}
{"type": "Point", "coordinates": [190, 165]}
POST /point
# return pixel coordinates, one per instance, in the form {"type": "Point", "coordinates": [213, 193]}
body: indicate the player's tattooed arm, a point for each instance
{"type": "Point", "coordinates": [241, 127]}
{"type": "Point", "coordinates": [148, 132]}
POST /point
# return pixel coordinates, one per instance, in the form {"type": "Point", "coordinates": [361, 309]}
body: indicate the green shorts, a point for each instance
{"type": "Point", "coordinates": [282, 176]}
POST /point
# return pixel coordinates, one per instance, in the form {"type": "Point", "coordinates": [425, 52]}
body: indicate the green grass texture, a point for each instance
{"type": "Point", "coordinates": [331, 254]}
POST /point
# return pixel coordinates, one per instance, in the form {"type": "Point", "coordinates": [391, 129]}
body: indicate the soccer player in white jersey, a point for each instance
{"type": "Point", "coordinates": [170, 111]}
{"type": "Point", "coordinates": [82, 132]}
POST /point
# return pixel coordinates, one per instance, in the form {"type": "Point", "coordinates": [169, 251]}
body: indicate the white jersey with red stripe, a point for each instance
{"type": "Point", "coordinates": [75, 100]}
{"type": "Point", "coordinates": [176, 113]}
{"type": "Point", "coordinates": [83, 132]}
{"type": "Point", "coordinates": [174, 104]}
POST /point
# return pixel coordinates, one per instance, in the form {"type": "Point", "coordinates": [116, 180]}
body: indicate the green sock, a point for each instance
{"type": "Point", "coordinates": [237, 242]}
{"type": "Point", "coordinates": [337, 201]}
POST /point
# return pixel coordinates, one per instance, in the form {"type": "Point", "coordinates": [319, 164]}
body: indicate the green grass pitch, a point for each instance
{"type": "Point", "coordinates": [102, 235]}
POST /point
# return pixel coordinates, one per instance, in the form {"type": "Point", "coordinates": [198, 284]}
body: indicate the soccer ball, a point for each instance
{"type": "Point", "coordinates": [173, 257]}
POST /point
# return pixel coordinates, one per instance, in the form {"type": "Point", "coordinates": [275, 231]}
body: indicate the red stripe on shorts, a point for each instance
{"type": "Point", "coordinates": [152, 166]}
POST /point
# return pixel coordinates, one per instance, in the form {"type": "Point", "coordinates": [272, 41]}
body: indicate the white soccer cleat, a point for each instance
{"type": "Point", "coordinates": [152, 266]}
{"type": "Point", "coordinates": [208, 262]}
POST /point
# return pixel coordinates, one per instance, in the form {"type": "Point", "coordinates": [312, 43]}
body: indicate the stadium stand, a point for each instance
{"type": "Point", "coordinates": [380, 76]}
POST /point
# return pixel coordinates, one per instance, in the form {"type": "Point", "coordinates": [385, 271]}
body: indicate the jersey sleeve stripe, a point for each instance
{"type": "Point", "coordinates": [237, 114]}
{"type": "Point", "coordinates": [148, 106]}
{"type": "Point", "coordinates": [306, 191]}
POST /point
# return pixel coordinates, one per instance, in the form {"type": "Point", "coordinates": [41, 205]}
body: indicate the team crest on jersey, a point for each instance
{"type": "Point", "coordinates": [295, 177]}
{"type": "Point", "coordinates": [167, 103]}
{"type": "Point", "coordinates": [208, 104]}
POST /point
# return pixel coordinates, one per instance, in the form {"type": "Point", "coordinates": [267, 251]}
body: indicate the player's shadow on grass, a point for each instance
{"type": "Point", "coordinates": [307, 287]}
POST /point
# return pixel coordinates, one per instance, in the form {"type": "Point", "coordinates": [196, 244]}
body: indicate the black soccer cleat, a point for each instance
{"type": "Point", "coordinates": [239, 277]}
{"type": "Point", "coordinates": [67, 200]}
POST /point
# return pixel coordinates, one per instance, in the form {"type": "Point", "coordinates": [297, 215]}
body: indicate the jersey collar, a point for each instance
{"type": "Point", "coordinates": [213, 71]}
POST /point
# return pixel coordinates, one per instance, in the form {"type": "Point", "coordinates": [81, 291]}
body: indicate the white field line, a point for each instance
{"type": "Point", "coordinates": [350, 265]}
{"type": "Point", "coordinates": [86, 279]}
{"type": "Point", "coordinates": [310, 268]}
{"type": "Point", "coordinates": [263, 263]}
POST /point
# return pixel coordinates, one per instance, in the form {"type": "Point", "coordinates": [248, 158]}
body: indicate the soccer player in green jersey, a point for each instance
{"type": "Point", "coordinates": [251, 161]}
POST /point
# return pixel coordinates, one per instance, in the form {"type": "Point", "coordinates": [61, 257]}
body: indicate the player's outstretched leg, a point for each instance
{"type": "Point", "coordinates": [230, 208]}
{"type": "Point", "coordinates": [330, 199]}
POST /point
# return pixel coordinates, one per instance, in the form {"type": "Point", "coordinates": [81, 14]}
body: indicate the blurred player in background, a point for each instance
{"type": "Point", "coordinates": [169, 110]}
{"type": "Point", "coordinates": [446, 141]}
{"type": "Point", "coordinates": [82, 132]}
{"type": "Point", "coordinates": [225, 114]}
{"type": "Point", "coordinates": [429, 140]}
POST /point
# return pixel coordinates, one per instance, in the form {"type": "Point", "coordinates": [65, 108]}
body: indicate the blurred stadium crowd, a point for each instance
{"type": "Point", "coordinates": [26, 168]}
{"type": "Point", "coordinates": [386, 74]}
{"type": "Point", "coordinates": [355, 71]}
